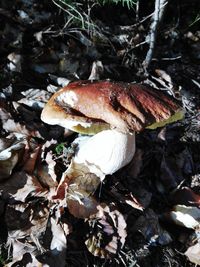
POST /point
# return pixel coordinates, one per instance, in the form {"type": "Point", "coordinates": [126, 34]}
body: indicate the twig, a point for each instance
{"type": "Point", "coordinates": [196, 83]}
{"type": "Point", "coordinates": [160, 6]}
{"type": "Point", "coordinates": [167, 58]}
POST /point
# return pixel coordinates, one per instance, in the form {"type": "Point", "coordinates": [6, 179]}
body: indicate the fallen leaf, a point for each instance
{"type": "Point", "coordinates": [35, 98]}
{"type": "Point", "coordinates": [108, 232]}
{"type": "Point", "coordinates": [15, 62]}
{"type": "Point", "coordinates": [81, 205]}
{"type": "Point", "coordinates": [97, 70]}
{"type": "Point", "coordinates": [10, 156]}
{"type": "Point", "coordinates": [193, 253]}
{"type": "Point", "coordinates": [184, 216]}
{"type": "Point", "coordinates": [20, 186]}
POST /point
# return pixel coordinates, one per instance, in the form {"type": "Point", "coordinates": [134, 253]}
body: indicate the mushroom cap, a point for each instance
{"type": "Point", "coordinates": [124, 106]}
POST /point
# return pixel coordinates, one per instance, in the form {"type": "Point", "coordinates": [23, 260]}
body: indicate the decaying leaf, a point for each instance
{"type": "Point", "coordinates": [20, 186]}
{"type": "Point", "coordinates": [108, 232]}
{"type": "Point", "coordinates": [30, 163]}
{"type": "Point", "coordinates": [96, 71]}
{"type": "Point", "coordinates": [80, 205]}
{"type": "Point", "coordinates": [35, 98]}
{"type": "Point", "coordinates": [79, 177]}
{"type": "Point", "coordinates": [10, 156]}
{"type": "Point", "coordinates": [10, 126]}
{"type": "Point", "coordinates": [186, 216]}
{"type": "Point", "coordinates": [37, 233]}
{"type": "Point", "coordinates": [45, 167]}
{"type": "Point", "coordinates": [15, 62]}
{"type": "Point", "coordinates": [77, 186]}
{"type": "Point", "coordinates": [193, 253]}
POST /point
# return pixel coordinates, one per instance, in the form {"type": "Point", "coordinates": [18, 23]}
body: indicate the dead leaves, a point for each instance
{"type": "Point", "coordinates": [11, 152]}
{"type": "Point", "coordinates": [193, 253]}
{"type": "Point", "coordinates": [108, 232]}
{"type": "Point", "coordinates": [36, 200]}
{"type": "Point", "coordinates": [186, 213]}
{"type": "Point", "coordinates": [38, 233]}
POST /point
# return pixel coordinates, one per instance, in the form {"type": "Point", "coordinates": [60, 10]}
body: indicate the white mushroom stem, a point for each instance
{"type": "Point", "coordinates": [107, 151]}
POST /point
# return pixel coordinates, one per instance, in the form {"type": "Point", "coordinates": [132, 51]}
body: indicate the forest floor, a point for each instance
{"type": "Point", "coordinates": [44, 48]}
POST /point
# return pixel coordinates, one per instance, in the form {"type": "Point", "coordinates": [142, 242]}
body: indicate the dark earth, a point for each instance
{"type": "Point", "coordinates": [52, 43]}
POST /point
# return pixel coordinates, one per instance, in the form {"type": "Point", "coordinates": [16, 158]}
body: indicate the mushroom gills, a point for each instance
{"type": "Point", "coordinates": [179, 115]}
{"type": "Point", "coordinates": [91, 129]}
{"type": "Point", "coordinates": [108, 151]}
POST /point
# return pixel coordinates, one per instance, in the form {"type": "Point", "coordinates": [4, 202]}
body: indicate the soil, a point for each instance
{"type": "Point", "coordinates": [52, 45]}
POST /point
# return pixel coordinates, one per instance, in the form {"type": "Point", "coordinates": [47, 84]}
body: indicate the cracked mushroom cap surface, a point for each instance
{"type": "Point", "coordinates": [123, 106]}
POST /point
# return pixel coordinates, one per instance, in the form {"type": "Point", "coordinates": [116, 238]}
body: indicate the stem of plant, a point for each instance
{"type": "Point", "coordinates": [160, 6]}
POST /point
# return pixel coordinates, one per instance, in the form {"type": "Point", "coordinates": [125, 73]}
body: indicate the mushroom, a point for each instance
{"type": "Point", "coordinates": [112, 112]}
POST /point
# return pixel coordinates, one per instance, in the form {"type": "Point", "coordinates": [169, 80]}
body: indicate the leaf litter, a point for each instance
{"type": "Point", "coordinates": [125, 216]}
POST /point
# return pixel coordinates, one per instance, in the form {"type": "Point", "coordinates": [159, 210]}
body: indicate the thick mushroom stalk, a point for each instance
{"type": "Point", "coordinates": [108, 151]}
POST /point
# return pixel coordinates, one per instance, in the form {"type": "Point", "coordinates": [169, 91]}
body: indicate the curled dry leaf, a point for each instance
{"type": "Point", "coordinates": [10, 156]}
{"type": "Point", "coordinates": [37, 233]}
{"type": "Point", "coordinates": [80, 205]}
{"type": "Point", "coordinates": [77, 186]}
{"type": "Point", "coordinates": [108, 232]}
{"type": "Point", "coordinates": [15, 62]}
{"type": "Point", "coordinates": [80, 178]}
{"type": "Point", "coordinates": [35, 98]}
{"type": "Point", "coordinates": [10, 126]}
{"type": "Point", "coordinates": [96, 71]}
{"type": "Point", "coordinates": [184, 216]}
{"type": "Point", "coordinates": [20, 186]}
{"type": "Point", "coordinates": [45, 167]}
{"type": "Point", "coordinates": [193, 253]}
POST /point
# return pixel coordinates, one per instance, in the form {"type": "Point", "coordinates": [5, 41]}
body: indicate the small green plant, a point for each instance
{"type": "Point", "coordinates": [197, 18]}
{"type": "Point", "coordinates": [128, 3]}
{"type": "Point", "coordinates": [60, 148]}
{"type": "Point", "coordinates": [78, 12]}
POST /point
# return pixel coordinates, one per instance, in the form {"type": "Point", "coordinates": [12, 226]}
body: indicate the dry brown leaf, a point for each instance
{"type": "Point", "coordinates": [36, 233]}
{"type": "Point", "coordinates": [78, 177]}
{"type": "Point", "coordinates": [21, 185]}
{"type": "Point", "coordinates": [97, 70]}
{"type": "Point", "coordinates": [30, 162]}
{"type": "Point", "coordinates": [186, 216]}
{"type": "Point", "coordinates": [35, 98]}
{"type": "Point", "coordinates": [10, 126]}
{"type": "Point", "coordinates": [108, 232]}
{"type": "Point", "coordinates": [11, 155]}
{"type": "Point", "coordinates": [193, 253]}
{"type": "Point", "coordinates": [83, 207]}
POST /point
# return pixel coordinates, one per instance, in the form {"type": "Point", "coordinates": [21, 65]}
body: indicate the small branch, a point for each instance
{"type": "Point", "coordinates": [160, 6]}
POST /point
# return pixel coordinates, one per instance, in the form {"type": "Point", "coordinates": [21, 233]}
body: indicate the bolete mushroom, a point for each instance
{"type": "Point", "coordinates": [112, 112]}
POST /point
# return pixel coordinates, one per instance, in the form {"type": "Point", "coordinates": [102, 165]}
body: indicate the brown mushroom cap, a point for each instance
{"type": "Point", "coordinates": [124, 106]}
